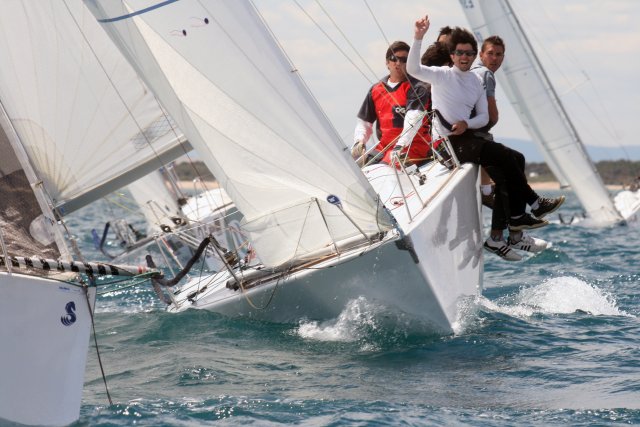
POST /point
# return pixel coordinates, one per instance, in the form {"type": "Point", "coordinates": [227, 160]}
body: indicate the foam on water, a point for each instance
{"type": "Point", "coordinates": [467, 315]}
{"type": "Point", "coordinates": [558, 295]}
{"type": "Point", "coordinates": [352, 324]}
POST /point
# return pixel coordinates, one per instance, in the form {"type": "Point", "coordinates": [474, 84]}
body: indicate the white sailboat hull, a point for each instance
{"type": "Point", "coordinates": [44, 349]}
{"type": "Point", "coordinates": [447, 270]}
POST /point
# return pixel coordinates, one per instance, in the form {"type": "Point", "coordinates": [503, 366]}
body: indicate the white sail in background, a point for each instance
{"type": "Point", "coordinates": [221, 75]}
{"type": "Point", "coordinates": [157, 202]}
{"type": "Point", "coordinates": [81, 121]}
{"type": "Point", "coordinates": [540, 109]}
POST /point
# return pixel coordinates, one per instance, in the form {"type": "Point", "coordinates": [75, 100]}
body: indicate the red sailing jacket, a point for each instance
{"type": "Point", "coordinates": [387, 107]}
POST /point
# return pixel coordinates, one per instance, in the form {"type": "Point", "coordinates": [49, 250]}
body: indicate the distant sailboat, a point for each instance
{"type": "Point", "coordinates": [541, 111]}
{"type": "Point", "coordinates": [325, 233]}
{"type": "Point", "coordinates": [169, 221]}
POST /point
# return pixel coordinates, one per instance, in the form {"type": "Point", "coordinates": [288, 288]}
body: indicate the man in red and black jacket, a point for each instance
{"type": "Point", "coordinates": [387, 104]}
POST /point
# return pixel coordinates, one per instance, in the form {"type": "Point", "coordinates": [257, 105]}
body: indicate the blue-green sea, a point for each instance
{"type": "Point", "coordinates": [553, 340]}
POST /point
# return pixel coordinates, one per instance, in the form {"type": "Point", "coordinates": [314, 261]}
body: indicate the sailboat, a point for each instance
{"type": "Point", "coordinates": [169, 221]}
{"type": "Point", "coordinates": [325, 233]}
{"type": "Point", "coordinates": [46, 307]}
{"type": "Point", "coordinates": [45, 322]}
{"type": "Point", "coordinates": [543, 114]}
{"type": "Point", "coordinates": [72, 132]}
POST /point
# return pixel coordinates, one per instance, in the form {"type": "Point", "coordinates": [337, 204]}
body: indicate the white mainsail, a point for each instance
{"type": "Point", "coordinates": [86, 121]}
{"type": "Point", "coordinates": [221, 75]}
{"type": "Point", "coordinates": [540, 109]}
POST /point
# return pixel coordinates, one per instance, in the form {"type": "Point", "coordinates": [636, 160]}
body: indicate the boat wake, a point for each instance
{"type": "Point", "coordinates": [559, 295]}
{"type": "Point", "coordinates": [373, 325]}
{"type": "Point", "coordinates": [358, 318]}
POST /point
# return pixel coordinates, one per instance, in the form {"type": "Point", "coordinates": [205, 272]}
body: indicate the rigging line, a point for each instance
{"type": "Point", "coordinates": [386, 40]}
{"type": "Point", "coordinates": [348, 42]}
{"type": "Point", "coordinates": [286, 271]}
{"type": "Point", "coordinates": [95, 341]}
{"type": "Point", "coordinates": [108, 77]}
{"type": "Point", "coordinates": [384, 36]}
{"type": "Point", "coordinates": [122, 206]}
{"type": "Point", "coordinates": [557, 102]}
{"type": "Point", "coordinates": [611, 130]}
{"type": "Point", "coordinates": [609, 127]}
{"type": "Point", "coordinates": [302, 228]}
{"type": "Point", "coordinates": [186, 153]}
{"type": "Point", "coordinates": [309, 93]}
{"type": "Point", "coordinates": [344, 36]}
{"type": "Point", "coordinates": [273, 293]}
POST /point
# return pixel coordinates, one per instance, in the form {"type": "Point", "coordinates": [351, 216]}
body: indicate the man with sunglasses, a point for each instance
{"type": "Point", "coordinates": [456, 92]}
{"type": "Point", "coordinates": [395, 105]}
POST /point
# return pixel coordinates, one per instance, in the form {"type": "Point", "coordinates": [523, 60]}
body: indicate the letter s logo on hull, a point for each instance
{"type": "Point", "coordinates": [70, 318]}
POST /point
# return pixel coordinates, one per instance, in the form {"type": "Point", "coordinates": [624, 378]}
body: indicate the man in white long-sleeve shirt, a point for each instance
{"type": "Point", "coordinates": [456, 92]}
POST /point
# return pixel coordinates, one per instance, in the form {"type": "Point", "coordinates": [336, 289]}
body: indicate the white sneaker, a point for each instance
{"type": "Point", "coordinates": [500, 248]}
{"type": "Point", "coordinates": [529, 244]}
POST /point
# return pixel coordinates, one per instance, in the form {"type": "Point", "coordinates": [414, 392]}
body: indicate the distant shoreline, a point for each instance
{"type": "Point", "coordinates": [555, 185]}
{"type": "Point", "coordinates": [542, 185]}
{"type": "Point", "coordinates": [187, 185]}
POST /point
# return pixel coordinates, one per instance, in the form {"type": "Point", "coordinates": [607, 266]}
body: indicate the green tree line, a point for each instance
{"type": "Point", "coordinates": [613, 172]}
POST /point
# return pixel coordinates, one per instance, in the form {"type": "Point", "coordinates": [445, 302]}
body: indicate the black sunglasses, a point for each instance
{"type": "Point", "coordinates": [459, 52]}
{"type": "Point", "coordinates": [402, 59]}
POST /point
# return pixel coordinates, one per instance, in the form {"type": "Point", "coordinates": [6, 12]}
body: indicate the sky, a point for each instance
{"type": "Point", "coordinates": [590, 49]}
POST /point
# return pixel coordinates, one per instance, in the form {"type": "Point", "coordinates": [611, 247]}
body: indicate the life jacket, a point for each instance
{"type": "Point", "coordinates": [390, 104]}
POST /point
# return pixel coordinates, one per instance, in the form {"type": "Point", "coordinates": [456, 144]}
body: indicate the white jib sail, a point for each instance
{"type": "Point", "coordinates": [539, 108]}
{"type": "Point", "coordinates": [76, 104]}
{"type": "Point", "coordinates": [221, 75]}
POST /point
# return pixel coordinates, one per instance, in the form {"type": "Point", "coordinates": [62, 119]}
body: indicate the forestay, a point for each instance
{"type": "Point", "coordinates": [222, 76]}
{"type": "Point", "coordinates": [76, 105]}
{"type": "Point", "coordinates": [540, 109]}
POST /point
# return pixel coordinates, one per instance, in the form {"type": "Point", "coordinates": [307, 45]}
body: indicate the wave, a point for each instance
{"type": "Point", "coordinates": [558, 295]}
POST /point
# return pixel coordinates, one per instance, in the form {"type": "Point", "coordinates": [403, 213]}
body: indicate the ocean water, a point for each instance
{"type": "Point", "coordinates": [553, 340]}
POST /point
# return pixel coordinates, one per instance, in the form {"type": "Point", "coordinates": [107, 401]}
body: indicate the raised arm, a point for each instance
{"type": "Point", "coordinates": [414, 67]}
{"type": "Point", "coordinates": [421, 27]}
